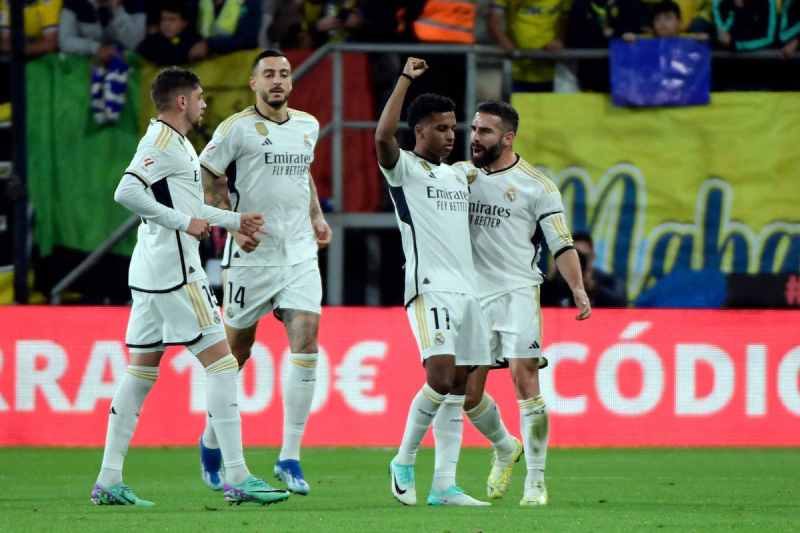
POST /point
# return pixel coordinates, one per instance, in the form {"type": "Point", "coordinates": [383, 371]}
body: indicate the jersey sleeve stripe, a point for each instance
{"type": "Point", "coordinates": [544, 216]}
{"type": "Point", "coordinates": [161, 134]}
{"type": "Point", "coordinates": [165, 139]}
{"type": "Point", "coordinates": [209, 167]}
{"type": "Point", "coordinates": [138, 177]}
{"type": "Point", "coordinates": [546, 182]}
{"type": "Point", "coordinates": [562, 250]}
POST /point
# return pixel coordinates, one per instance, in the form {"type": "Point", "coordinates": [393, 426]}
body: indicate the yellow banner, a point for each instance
{"type": "Point", "coordinates": [225, 81]}
{"type": "Point", "coordinates": [714, 187]}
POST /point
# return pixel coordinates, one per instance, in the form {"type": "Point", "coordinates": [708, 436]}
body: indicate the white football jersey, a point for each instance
{"type": "Point", "coordinates": [167, 165]}
{"type": "Point", "coordinates": [511, 211]}
{"type": "Point", "coordinates": [267, 164]}
{"type": "Point", "coordinates": [431, 202]}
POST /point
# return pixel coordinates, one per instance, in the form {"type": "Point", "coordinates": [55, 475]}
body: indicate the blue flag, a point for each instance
{"type": "Point", "coordinates": [660, 72]}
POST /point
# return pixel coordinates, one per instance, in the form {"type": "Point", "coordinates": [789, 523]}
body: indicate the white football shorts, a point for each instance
{"type": "Point", "coordinates": [448, 323]}
{"type": "Point", "coordinates": [252, 292]}
{"type": "Point", "coordinates": [179, 317]}
{"type": "Point", "coordinates": [515, 324]}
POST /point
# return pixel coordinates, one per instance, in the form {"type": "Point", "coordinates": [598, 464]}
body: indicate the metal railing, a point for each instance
{"type": "Point", "coordinates": [341, 221]}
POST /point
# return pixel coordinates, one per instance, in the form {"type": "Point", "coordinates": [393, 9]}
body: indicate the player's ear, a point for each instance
{"type": "Point", "coordinates": [252, 83]}
{"type": "Point", "coordinates": [508, 138]}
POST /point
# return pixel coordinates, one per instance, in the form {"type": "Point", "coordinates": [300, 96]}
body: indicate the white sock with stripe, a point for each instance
{"type": "Point", "coordinates": [534, 426]}
{"type": "Point", "coordinates": [420, 415]}
{"type": "Point", "coordinates": [448, 431]}
{"type": "Point", "coordinates": [486, 418]}
{"type": "Point", "coordinates": [223, 410]}
{"type": "Point", "coordinates": [297, 396]}
{"type": "Point", "coordinates": [122, 418]}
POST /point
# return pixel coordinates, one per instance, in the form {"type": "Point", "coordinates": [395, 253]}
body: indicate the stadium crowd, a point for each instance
{"type": "Point", "coordinates": [189, 30]}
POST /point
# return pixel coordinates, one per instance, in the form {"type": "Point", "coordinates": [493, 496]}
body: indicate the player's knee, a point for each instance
{"type": "Point", "coordinates": [525, 378]}
{"type": "Point", "coordinates": [441, 383]}
{"type": "Point", "coordinates": [472, 399]}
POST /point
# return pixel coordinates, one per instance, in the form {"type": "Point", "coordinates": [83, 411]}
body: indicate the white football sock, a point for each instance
{"type": "Point", "coordinates": [486, 418]}
{"type": "Point", "coordinates": [535, 431]}
{"type": "Point", "coordinates": [122, 418]}
{"type": "Point", "coordinates": [297, 397]}
{"type": "Point", "coordinates": [420, 415]}
{"type": "Point", "coordinates": [448, 431]}
{"type": "Point", "coordinates": [223, 410]}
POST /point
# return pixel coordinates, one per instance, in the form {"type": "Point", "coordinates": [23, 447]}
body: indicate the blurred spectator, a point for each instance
{"type": "Point", "coordinates": [591, 24]}
{"type": "Point", "coordinates": [336, 21]}
{"type": "Point", "coordinates": [226, 26]}
{"type": "Point", "coordinates": [286, 30]}
{"type": "Point", "coordinates": [446, 21]}
{"type": "Point", "coordinates": [604, 290]}
{"type": "Point", "coordinates": [666, 19]}
{"type": "Point", "coordinates": [99, 27]}
{"type": "Point", "coordinates": [41, 26]}
{"type": "Point", "coordinates": [667, 22]}
{"type": "Point", "coordinates": [789, 27]}
{"type": "Point", "coordinates": [744, 25]}
{"type": "Point", "coordinates": [695, 16]}
{"type": "Point", "coordinates": [530, 24]}
{"type": "Point", "coordinates": [171, 45]}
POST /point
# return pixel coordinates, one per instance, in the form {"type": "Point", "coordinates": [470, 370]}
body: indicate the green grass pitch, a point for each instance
{"type": "Point", "coordinates": [590, 490]}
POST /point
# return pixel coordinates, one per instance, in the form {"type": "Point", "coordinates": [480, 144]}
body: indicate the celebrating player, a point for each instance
{"type": "Point", "coordinates": [513, 209]}
{"type": "Point", "coordinates": [431, 204]}
{"type": "Point", "coordinates": [172, 303]}
{"type": "Point", "coordinates": [258, 160]}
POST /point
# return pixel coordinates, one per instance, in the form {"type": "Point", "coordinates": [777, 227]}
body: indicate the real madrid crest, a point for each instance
{"type": "Point", "coordinates": [511, 194]}
{"type": "Point", "coordinates": [261, 128]}
{"type": "Point", "coordinates": [439, 338]}
{"type": "Point", "coordinates": [472, 175]}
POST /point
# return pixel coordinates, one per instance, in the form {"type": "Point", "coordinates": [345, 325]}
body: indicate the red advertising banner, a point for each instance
{"type": "Point", "coordinates": [622, 378]}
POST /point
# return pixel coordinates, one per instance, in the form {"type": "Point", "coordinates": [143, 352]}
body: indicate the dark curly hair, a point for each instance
{"type": "Point", "coordinates": [426, 104]}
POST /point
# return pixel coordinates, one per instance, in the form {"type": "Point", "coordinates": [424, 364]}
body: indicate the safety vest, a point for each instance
{"type": "Point", "coordinates": [225, 24]}
{"type": "Point", "coordinates": [447, 21]}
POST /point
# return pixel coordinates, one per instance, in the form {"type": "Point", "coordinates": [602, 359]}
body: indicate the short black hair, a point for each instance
{"type": "Point", "coordinates": [271, 52]}
{"type": "Point", "coordinates": [584, 236]}
{"type": "Point", "coordinates": [425, 105]}
{"type": "Point", "coordinates": [169, 81]}
{"type": "Point", "coordinates": [175, 6]}
{"type": "Point", "coordinates": [666, 6]}
{"type": "Point", "coordinates": [505, 111]}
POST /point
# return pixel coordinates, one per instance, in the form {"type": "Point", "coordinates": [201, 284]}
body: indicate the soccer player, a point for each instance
{"type": "Point", "coordinates": [172, 303]}
{"type": "Point", "coordinates": [259, 160]}
{"type": "Point", "coordinates": [431, 205]}
{"type": "Point", "coordinates": [514, 208]}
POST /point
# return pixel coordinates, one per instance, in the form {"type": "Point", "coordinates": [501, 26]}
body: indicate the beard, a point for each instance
{"type": "Point", "coordinates": [488, 156]}
{"type": "Point", "coordinates": [274, 104]}
{"type": "Point", "coordinates": [196, 121]}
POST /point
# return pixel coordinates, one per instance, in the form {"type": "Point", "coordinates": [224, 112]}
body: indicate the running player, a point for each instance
{"type": "Point", "coordinates": [431, 204]}
{"type": "Point", "coordinates": [259, 160]}
{"type": "Point", "coordinates": [514, 208]}
{"type": "Point", "coordinates": [172, 303]}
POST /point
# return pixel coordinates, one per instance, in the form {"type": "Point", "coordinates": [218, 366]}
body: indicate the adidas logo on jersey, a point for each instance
{"type": "Point", "coordinates": [534, 346]}
{"type": "Point", "coordinates": [426, 281]}
{"type": "Point", "coordinates": [266, 142]}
